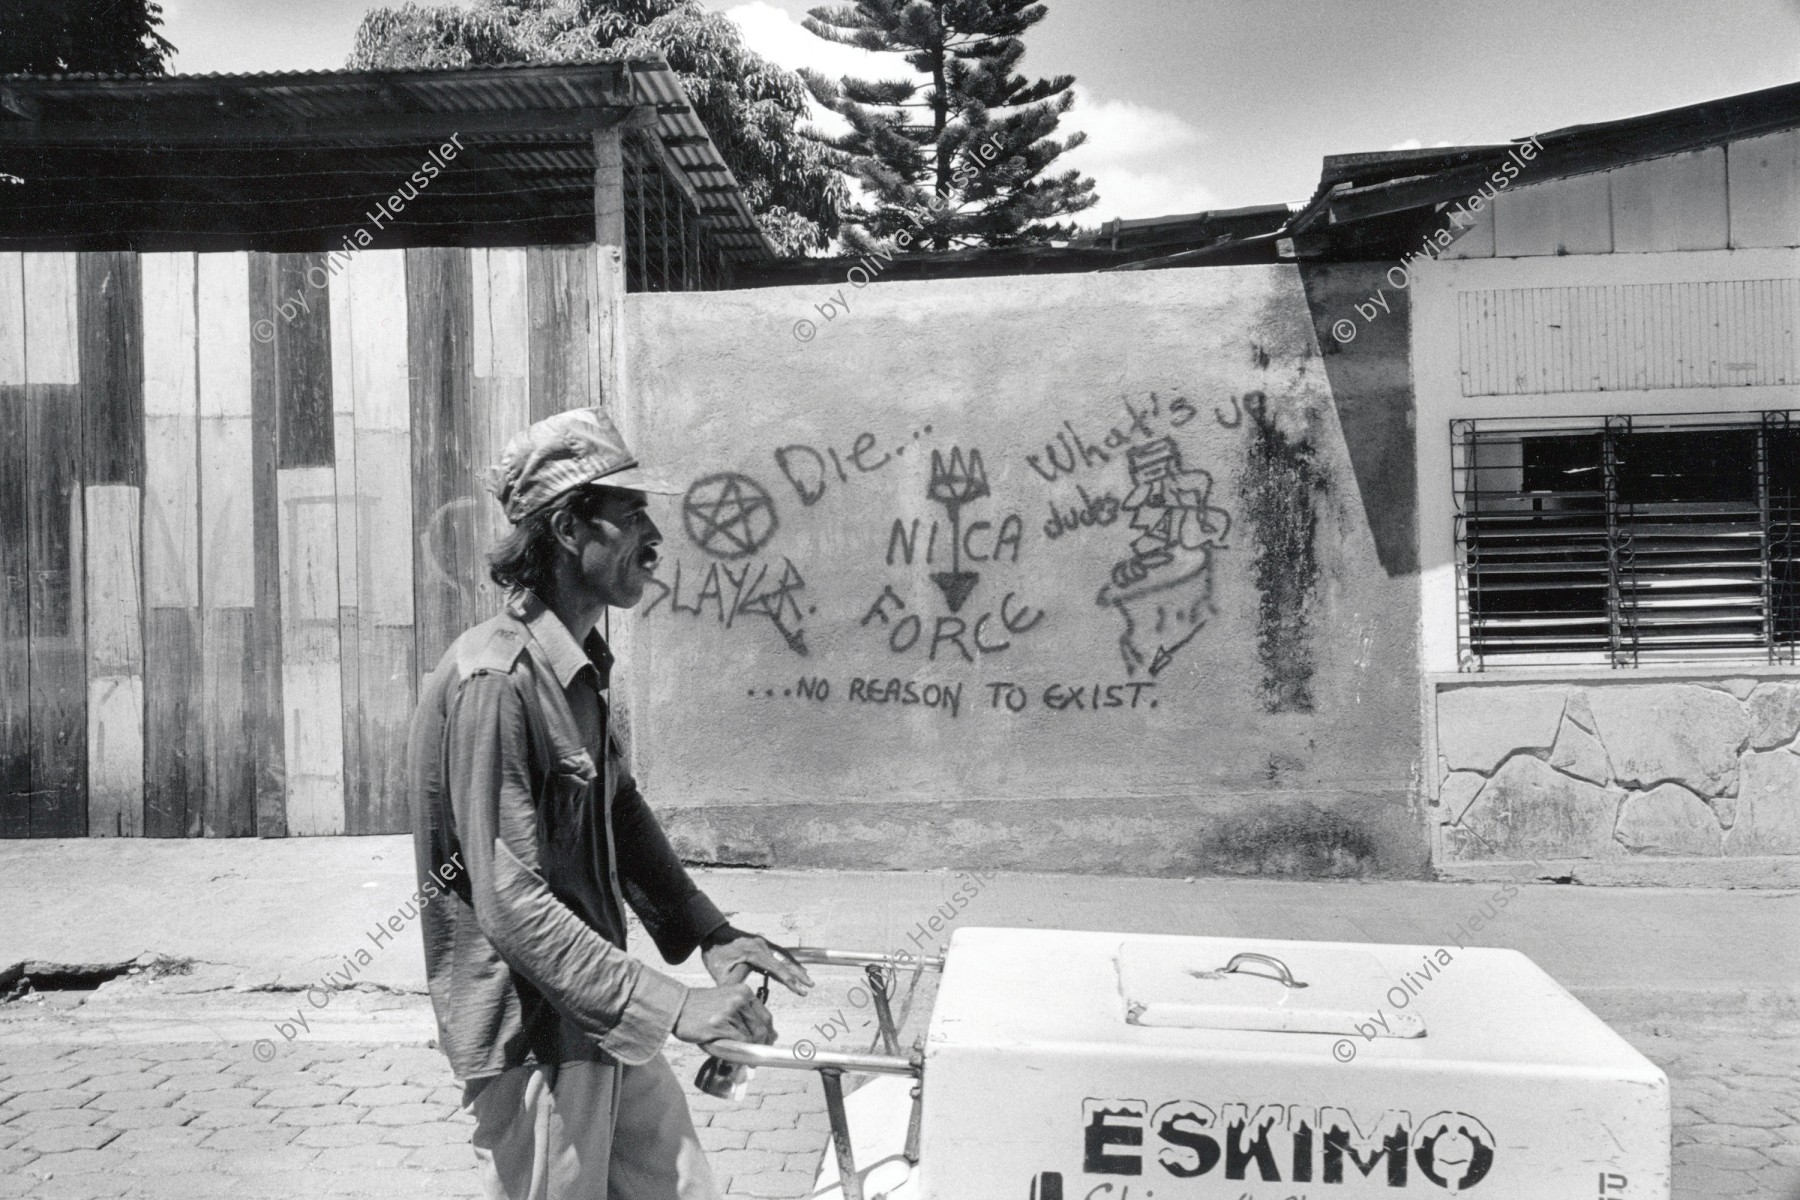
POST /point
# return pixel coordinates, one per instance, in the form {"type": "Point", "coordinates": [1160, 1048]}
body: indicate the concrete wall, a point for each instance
{"type": "Point", "coordinates": [1102, 572]}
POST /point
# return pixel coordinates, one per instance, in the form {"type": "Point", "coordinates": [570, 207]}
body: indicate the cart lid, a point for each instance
{"type": "Point", "coordinates": [1311, 989]}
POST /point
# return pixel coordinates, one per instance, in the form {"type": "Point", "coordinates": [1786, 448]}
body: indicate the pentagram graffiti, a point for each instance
{"type": "Point", "coordinates": [728, 515]}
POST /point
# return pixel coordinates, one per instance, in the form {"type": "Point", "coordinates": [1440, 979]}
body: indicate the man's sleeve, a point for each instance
{"type": "Point", "coordinates": [610, 996]}
{"type": "Point", "coordinates": [676, 914]}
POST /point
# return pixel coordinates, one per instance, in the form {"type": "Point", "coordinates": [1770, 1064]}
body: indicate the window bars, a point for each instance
{"type": "Point", "coordinates": [1624, 540]}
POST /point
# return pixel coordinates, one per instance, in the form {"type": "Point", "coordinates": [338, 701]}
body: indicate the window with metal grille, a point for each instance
{"type": "Point", "coordinates": [1628, 539]}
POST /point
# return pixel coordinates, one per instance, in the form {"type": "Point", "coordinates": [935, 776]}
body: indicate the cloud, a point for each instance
{"type": "Point", "coordinates": [1145, 161]}
{"type": "Point", "coordinates": [777, 36]}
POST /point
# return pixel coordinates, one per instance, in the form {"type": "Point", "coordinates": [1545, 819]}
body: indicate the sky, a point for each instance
{"type": "Point", "coordinates": [1191, 105]}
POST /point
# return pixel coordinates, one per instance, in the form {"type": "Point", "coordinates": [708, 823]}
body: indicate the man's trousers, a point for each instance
{"type": "Point", "coordinates": [587, 1131]}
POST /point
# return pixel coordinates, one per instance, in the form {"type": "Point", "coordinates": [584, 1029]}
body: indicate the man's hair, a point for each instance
{"type": "Point", "coordinates": [526, 556]}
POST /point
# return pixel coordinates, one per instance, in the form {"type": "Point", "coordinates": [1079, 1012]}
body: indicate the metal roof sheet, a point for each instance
{"type": "Point", "coordinates": [159, 139]}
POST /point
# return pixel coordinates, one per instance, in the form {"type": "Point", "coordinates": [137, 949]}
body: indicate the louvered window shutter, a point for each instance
{"type": "Point", "coordinates": [1623, 540]}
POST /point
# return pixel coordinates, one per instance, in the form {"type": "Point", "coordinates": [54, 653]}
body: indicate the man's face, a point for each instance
{"type": "Point", "coordinates": [618, 556]}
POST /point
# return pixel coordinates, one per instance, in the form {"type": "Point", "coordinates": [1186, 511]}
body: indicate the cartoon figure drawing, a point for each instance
{"type": "Point", "coordinates": [1164, 586]}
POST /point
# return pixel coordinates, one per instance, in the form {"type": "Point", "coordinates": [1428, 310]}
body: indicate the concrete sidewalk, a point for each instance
{"type": "Point", "coordinates": [215, 1072]}
{"type": "Point", "coordinates": [286, 913]}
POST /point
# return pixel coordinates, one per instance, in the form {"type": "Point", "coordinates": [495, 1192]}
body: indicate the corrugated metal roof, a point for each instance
{"type": "Point", "coordinates": [528, 124]}
{"type": "Point", "coordinates": [1361, 187]}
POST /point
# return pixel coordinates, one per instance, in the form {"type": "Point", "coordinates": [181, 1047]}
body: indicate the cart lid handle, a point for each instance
{"type": "Point", "coordinates": [1283, 976]}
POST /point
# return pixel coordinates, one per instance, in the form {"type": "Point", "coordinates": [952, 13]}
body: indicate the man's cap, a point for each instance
{"type": "Point", "coordinates": [563, 452]}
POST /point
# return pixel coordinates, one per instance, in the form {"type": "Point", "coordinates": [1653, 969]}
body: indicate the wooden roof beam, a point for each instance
{"type": "Point", "coordinates": [135, 129]}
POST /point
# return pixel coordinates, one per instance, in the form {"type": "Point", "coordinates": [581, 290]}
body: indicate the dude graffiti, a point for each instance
{"type": "Point", "coordinates": [1169, 529]}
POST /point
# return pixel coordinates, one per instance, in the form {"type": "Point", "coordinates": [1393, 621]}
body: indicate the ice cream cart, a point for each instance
{"type": "Point", "coordinates": [1064, 1065]}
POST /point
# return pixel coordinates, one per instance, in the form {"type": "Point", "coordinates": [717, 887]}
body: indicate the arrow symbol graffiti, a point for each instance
{"type": "Point", "coordinates": [954, 483]}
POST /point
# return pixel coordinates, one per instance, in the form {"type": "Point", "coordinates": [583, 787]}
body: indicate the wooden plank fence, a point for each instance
{"type": "Point", "coordinates": [241, 513]}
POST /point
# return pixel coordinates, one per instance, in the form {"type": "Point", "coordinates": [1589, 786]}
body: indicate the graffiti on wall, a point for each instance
{"type": "Point", "coordinates": [754, 589]}
{"type": "Point", "coordinates": [954, 546]}
{"type": "Point", "coordinates": [728, 515]}
{"type": "Point", "coordinates": [1161, 585]}
{"type": "Point", "coordinates": [1163, 588]}
{"type": "Point", "coordinates": [999, 695]}
{"type": "Point", "coordinates": [953, 484]}
{"type": "Point", "coordinates": [1133, 496]}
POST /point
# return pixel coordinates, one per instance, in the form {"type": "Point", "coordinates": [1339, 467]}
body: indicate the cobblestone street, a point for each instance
{"type": "Point", "coordinates": [144, 1080]}
{"type": "Point", "coordinates": [195, 1119]}
{"type": "Point", "coordinates": [207, 1119]}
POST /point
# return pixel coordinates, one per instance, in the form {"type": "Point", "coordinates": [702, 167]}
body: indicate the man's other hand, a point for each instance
{"type": "Point", "coordinates": [730, 1010]}
{"type": "Point", "coordinates": [730, 954]}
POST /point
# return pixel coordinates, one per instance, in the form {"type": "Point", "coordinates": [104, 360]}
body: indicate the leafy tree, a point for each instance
{"type": "Point", "coordinates": [751, 107]}
{"type": "Point", "coordinates": [53, 37]}
{"type": "Point", "coordinates": [915, 143]}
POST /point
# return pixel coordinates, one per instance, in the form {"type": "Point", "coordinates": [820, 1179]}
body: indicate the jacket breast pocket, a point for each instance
{"type": "Point", "coordinates": [566, 813]}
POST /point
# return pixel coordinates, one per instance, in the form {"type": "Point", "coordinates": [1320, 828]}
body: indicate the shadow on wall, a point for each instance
{"type": "Point", "coordinates": [1371, 382]}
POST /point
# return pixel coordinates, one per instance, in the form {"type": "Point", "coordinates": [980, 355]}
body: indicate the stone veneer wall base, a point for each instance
{"type": "Point", "coordinates": [1774, 871]}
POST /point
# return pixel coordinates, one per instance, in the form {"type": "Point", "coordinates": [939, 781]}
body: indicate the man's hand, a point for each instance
{"type": "Point", "coordinates": [730, 954]}
{"type": "Point", "coordinates": [724, 1011]}
{"type": "Point", "coordinates": [730, 1010]}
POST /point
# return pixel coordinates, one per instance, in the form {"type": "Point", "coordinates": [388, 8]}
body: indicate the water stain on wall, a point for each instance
{"type": "Point", "coordinates": [1291, 842]}
{"type": "Point", "coordinates": [1280, 488]}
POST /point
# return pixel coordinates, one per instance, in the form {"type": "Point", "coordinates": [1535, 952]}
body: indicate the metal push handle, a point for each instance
{"type": "Point", "coordinates": [831, 1064]}
{"type": "Point", "coordinates": [1285, 978]}
{"type": "Point", "coordinates": [754, 1054]}
{"type": "Point", "coordinates": [861, 958]}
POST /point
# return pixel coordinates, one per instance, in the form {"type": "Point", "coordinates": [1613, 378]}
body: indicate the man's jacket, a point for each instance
{"type": "Point", "coordinates": [542, 839]}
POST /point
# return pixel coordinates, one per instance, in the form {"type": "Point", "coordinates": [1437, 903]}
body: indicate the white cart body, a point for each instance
{"type": "Point", "coordinates": [1107, 1066]}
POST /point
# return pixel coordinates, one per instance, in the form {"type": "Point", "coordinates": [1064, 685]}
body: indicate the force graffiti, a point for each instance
{"type": "Point", "coordinates": [908, 631]}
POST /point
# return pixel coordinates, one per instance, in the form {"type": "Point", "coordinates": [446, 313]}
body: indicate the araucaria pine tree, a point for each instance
{"type": "Point", "coordinates": [959, 154]}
